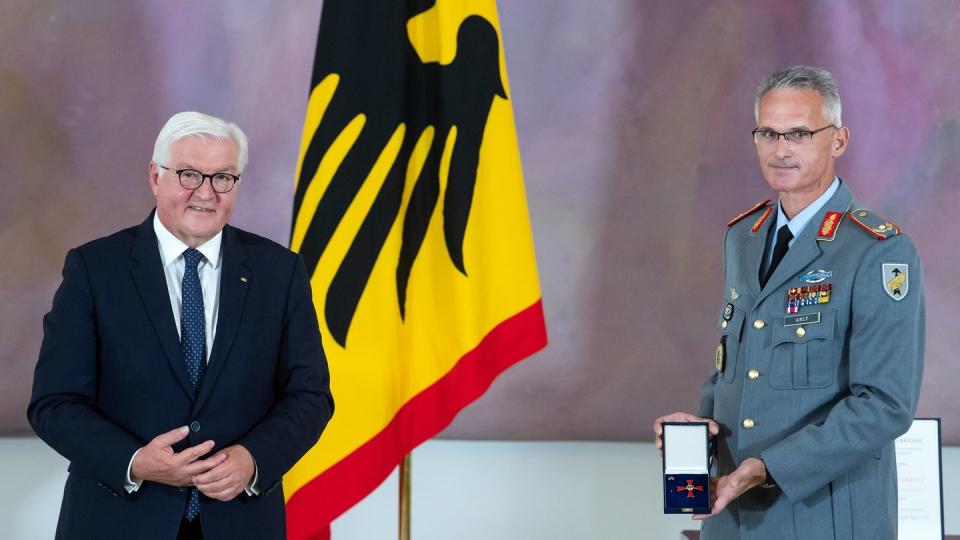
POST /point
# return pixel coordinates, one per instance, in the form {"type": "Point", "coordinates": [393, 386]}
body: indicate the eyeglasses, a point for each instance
{"type": "Point", "coordinates": [769, 137]}
{"type": "Point", "coordinates": [190, 179]}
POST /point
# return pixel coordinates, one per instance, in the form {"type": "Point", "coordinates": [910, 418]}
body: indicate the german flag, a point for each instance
{"type": "Point", "coordinates": [410, 212]}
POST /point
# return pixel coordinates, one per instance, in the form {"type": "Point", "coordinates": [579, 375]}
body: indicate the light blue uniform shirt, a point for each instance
{"type": "Point", "coordinates": [799, 221]}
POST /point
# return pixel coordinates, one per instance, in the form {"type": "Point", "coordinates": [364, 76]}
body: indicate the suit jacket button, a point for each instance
{"type": "Point", "coordinates": [758, 324]}
{"type": "Point", "coordinates": [195, 426]}
{"type": "Point", "coordinates": [748, 423]}
{"type": "Point", "coordinates": [753, 374]}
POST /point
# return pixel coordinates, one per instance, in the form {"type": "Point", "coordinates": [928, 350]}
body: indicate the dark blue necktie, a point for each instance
{"type": "Point", "coordinates": [193, 341]}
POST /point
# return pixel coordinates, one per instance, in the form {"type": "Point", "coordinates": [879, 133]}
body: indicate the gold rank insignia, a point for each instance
{"type": "Point", "coordinates": [828, 227]}
{"type": "Point", "coordinates": [759, 223]}
{"type": "Point", "coordinates": [873, 223]}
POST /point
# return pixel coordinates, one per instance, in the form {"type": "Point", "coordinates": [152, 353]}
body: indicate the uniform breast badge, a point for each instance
{"type": "Point", "coordinates": [721, 354]}
{"type": "Point", "coordinates": [816, 276]}
{"type": "Point", "coordinates": [807, 295]}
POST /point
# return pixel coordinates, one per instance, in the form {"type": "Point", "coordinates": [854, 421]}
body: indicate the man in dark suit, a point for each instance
{"type": "Point", "coordinates": [181, 371]}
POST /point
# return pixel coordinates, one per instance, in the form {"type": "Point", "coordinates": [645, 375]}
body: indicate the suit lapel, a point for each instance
{"type": "Point", "coordinates": [234, 281]}
{"type": "Point", "coordinates": [146, 270]}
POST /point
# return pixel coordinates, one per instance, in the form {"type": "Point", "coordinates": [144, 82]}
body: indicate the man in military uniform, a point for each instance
{"type": "Point", "coordinates": [821, 337]}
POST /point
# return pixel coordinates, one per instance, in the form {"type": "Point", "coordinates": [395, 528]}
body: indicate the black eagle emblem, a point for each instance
{"type": "Point", "coordinates": [382, 77]}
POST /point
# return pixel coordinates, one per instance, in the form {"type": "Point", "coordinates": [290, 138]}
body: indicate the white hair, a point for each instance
{"type": "Point", "coordinates": [804, 78]}
{"type": "Point", "coordinates": [196, 124]}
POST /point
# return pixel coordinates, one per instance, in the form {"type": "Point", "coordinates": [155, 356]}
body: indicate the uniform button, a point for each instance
{"type": "Point", "coordinates": [195, 426]}
{"type": "Point", "coordinates": [801, 332]}
{"type": "Point", "coordinates": [723, 324]}
{"type": "Point", "coordinates": [758, 324]}
{"type": "Point", "coordinates": [747, 423]}
{"type": "Point", "coordinates": [753, 374]}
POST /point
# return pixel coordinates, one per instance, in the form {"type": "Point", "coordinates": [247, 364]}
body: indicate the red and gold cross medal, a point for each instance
{"type": "Point", "coordinates": [690, 488]}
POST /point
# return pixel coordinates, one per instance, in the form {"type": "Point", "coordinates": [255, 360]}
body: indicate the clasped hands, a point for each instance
{"type": "Point", "coordinates": [723, 489]}
{"type": "Point", "coordinates": [221, 476]}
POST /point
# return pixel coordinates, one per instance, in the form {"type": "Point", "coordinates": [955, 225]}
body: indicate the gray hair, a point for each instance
{"type": "Point", "coordinates": [804, 78]}
{"type": "Point", "coordinates": [195, 124]}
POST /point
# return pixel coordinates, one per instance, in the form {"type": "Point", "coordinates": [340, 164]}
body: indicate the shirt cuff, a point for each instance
{"type": "Point", "coordinates": [253, 488]}
{"type": "Point", "coordinates": [129, 484]}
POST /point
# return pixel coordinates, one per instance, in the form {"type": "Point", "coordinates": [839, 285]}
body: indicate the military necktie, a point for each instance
{"type": "Point", "coordinates": [783, 243]}
{"type": "Point", "coordinates": [193, 341]}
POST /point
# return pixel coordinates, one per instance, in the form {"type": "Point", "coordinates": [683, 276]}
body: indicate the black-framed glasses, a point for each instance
{"type": "Point", "coordinates": [770, 137]}
{"type": "Point", "coordinates": [221, 182]}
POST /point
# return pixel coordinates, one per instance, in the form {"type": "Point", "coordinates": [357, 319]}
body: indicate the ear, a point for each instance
{"type": "Point", "coordinates": [154, 177]}
{"type": "Point", "coordinates": [840, 140]}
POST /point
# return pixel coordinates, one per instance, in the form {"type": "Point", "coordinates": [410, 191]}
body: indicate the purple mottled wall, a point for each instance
{"type": "Point", "coordinates": [634, 121]}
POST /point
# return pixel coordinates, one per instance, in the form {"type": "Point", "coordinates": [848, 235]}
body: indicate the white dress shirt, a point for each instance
{"type": "Point", "coordinates": [171, 254]}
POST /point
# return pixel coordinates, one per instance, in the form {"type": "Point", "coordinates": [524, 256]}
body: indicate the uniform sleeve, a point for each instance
{"type": "Point", "coordinates": [705, 406]}
{"type": "Point", "coordinates": [65, 385]}
{"type": "Point", "coordinates": [886, 347]}
{"type": "Point", "coordinates": [304, 404]}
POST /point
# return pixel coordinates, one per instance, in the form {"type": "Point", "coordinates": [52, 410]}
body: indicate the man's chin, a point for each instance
{"type": "Point", "coordinates": [781, 179]}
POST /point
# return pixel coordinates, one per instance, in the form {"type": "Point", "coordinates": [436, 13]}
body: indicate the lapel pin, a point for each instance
{"type": "Point", "coordinates": [243, 279]}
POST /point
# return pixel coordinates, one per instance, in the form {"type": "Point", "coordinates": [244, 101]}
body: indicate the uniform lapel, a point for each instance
{"type": "Point", "coordinates": [234, 280]}
{"type": "Point", "coordinates": [146, 269]}
{"type": "Point", "coordinates": [806, 248]}
{"type": "Point", "coordinates": [753, 253]}
{"type": "Point", "coordinates": [800, 254]}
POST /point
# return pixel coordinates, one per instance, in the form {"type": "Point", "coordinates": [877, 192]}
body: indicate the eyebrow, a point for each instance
{"type": "Point", "coordinates": [795, 128]}
{"type": "Point", "coordinates": [232, 169]}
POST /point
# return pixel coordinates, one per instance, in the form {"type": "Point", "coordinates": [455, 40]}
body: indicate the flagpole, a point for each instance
{"type": "Point", "coordinates": [404, 510]}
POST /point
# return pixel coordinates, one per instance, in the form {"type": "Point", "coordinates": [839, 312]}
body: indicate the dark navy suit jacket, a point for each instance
{"type": "Point", "coordinates": [110, 377]}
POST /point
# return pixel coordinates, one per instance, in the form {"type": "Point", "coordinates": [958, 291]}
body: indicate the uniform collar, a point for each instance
{"type": "Point", "coordinates": [799, 221]}
{"type": "Point", "coordinates": [172, 247]}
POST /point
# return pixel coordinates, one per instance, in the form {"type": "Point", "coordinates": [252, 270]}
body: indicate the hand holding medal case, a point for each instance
{"type": "Point", "coordinates": [686, 473]}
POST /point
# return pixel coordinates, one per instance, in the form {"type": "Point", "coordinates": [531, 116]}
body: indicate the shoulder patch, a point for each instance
{"type": "Point", "coordinates": [878, 226]}
{"type": "Point", "coordinates": [755, 207]}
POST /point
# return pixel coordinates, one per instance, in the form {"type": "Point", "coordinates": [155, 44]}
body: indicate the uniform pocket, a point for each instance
{"type": "Point", "coordinates": [803, 354]}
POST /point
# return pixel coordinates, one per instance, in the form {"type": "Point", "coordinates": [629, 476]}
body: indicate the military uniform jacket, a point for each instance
{"type": "Point", "coordinates": [819, 389]}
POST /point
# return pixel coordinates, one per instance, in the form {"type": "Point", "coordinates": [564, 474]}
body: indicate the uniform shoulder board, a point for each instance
{"type": "Point", "coordinates": [875, 224]}
{"type": "Point", "coordinates": [758, 206]}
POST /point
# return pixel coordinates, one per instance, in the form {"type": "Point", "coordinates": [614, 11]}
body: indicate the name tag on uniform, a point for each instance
{"type": "Point", "coordinates": [806, 318]}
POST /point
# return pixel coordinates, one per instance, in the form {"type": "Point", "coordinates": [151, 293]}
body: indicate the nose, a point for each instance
{"type": "Point", "coordinates": [782, 149]}
{"type": "Point", "coordinates": [205, 190]}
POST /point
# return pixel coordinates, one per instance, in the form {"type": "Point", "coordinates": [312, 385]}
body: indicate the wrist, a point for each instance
{"type": "Point", "coordinates": [766, 480]}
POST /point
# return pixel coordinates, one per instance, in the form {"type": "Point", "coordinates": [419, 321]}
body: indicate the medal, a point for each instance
{"type": "Point", "coordinates": [808, 295]}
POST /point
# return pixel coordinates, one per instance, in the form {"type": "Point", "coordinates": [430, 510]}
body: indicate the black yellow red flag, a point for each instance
{"type": "Point", "coordinates": [410, 212]}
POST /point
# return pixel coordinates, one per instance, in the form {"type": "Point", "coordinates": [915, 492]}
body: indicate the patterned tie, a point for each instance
{"type": "Point", "coordinates": [193, 341]}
